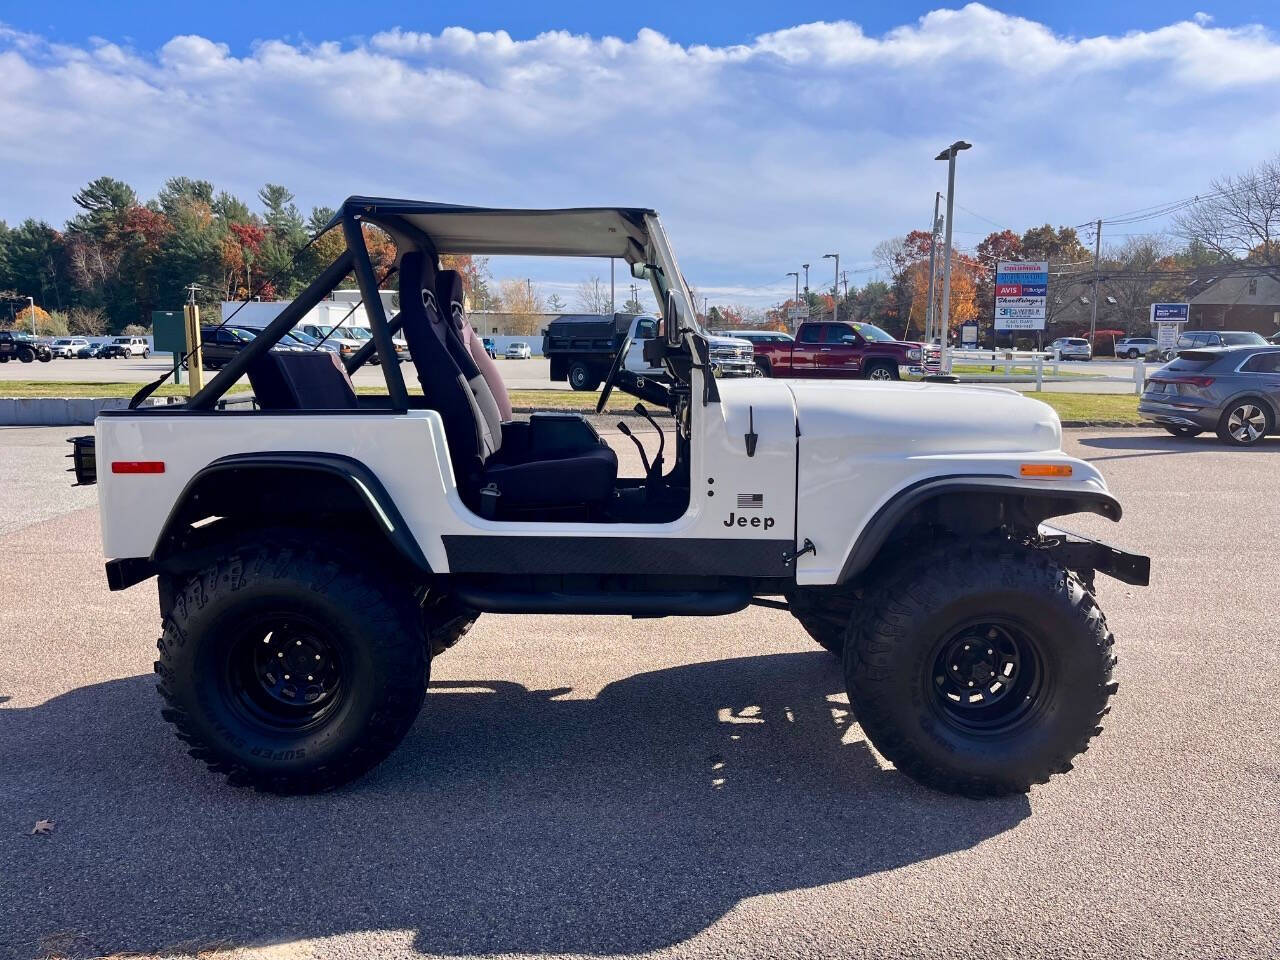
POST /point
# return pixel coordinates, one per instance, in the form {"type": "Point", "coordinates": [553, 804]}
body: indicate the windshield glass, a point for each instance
{"type": "Point", "coordinates": [1242, 339]}
{"type": "Point", "coordinates": [301, 337]}
{"type": "Point", "coordinates": [873, 333]}
{"type": "Point", "coordinates": [357, 333]}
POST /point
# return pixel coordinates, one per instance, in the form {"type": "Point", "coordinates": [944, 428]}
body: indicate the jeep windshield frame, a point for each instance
{"type": "Point", "coordinates": [627, 233]}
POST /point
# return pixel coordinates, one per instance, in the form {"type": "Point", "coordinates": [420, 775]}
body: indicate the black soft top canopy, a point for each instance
{"type": "Point", "coordinates": [452, 228]}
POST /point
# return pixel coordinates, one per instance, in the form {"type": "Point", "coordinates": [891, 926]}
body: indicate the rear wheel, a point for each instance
{"type": "Point", "coordinates": [582, 377]}
{"type": "Point", "coordinates": [1244, 422]}
{"type": "Point", "coordinates": [288, 671]}
{"type": "Point", "coordinates": [1183, 431]}
{"type": "Point", "coordinates": [881, 370]}
{"type": "Point", "coordinates": [26, 356]}
{"type": "Point", "coordinates": [764, 366]}
{"type": "Point", "coordinates": [980, 671]}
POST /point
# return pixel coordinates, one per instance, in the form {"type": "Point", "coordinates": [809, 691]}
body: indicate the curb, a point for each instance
{"type": "Point", "coordinates": [56, 411]}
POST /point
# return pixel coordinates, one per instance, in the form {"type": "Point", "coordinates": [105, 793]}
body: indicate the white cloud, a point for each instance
{"type": "Point", "coordinates": [760, 155]}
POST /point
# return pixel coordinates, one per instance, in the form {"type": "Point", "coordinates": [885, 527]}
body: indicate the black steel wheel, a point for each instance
{"type": "Point", "coordinates": [581, 377]}
{"type": "Point", "coordinates": [981, 669]}
{"type": "Point", "coordinates": [289, 670]}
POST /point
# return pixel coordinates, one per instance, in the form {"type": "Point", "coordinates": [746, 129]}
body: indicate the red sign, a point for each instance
{"type": "Point", "coordinates": [1008, 289]}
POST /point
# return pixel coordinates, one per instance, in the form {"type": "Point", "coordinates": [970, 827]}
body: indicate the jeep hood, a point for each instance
{"type": "Point", "coordinates": [868, 418]}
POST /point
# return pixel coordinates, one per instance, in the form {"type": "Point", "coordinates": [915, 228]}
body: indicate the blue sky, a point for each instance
{"type": "Point", "coordinates": [764, 133]}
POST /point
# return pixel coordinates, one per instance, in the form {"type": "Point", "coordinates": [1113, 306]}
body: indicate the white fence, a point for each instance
{"type": "Point", "coordinates": [1035, 363]}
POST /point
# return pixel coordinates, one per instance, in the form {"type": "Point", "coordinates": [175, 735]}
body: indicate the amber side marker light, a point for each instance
{"type": "Point", "coordinates": [1045, 471]}
{"type": "Point", "coordinates": [137, 466]}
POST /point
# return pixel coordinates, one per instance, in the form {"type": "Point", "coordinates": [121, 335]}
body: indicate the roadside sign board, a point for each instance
{"type": "Point", "coordinates": [1170, 312]}
{"type": "Point", "coordinates": [1167, 335]}
{"type": "Point", "coordinates": [170, 331]}
{"type": "Point", "coordinates": [969, 336]}
{"type": "Point", "coordinates": [1022, 288]}
{"type": "Point", "coordinates": [798, 311]}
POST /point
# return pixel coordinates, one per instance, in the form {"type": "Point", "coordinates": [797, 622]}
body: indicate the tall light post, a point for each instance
{"type": "Point", "coordinates": [805, 267]}
{"type": "Point", "coordinates": [933, 256]}
{"type": "Point", "coordinates": [949, 154]}
{"type": "Point", "coordinates": [32, 301]}
{"type": "Point", "coordinates": [796, 302]}
{"type": "Point", "coordinates": [835, 289]}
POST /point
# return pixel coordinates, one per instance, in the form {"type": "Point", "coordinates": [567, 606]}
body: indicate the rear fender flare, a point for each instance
{"type": "Point", "coordinates": [1036, 497]}
{"type": "Point", "coordinates": [246, 468]}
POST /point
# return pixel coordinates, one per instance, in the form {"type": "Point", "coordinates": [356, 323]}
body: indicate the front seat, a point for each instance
{"type": "Point", "coordinates": [451, 296]}
{"type": "Point", "coordinates": [492, 481]}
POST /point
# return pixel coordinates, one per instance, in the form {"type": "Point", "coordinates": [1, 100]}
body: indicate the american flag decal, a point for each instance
{"type": "Point", "coordinates": [751, 501]}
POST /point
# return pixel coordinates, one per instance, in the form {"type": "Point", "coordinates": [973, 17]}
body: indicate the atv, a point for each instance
{"type": "Point", "coordinates": [315, 549]}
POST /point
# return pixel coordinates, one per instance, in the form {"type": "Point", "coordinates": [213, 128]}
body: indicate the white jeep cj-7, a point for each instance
{"type": "Point", "coordinates": [314, 549]}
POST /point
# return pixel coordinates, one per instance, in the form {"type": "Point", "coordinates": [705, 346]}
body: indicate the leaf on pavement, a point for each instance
{"type": "Point", "coordinates": [42, 827]}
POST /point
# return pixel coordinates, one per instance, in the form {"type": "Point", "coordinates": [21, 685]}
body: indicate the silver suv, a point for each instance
{"type": "Point", "coordinates": [1234, 391]}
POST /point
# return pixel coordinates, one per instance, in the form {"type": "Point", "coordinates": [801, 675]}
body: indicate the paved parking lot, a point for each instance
{"type": "Point", "coordinates": [685, 787]}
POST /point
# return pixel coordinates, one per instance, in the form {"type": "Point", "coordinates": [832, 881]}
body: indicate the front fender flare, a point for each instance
{"type": "Point", "coordinates": [1047, 500]}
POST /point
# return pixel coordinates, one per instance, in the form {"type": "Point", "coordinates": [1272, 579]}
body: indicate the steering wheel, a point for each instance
{"type": "Point", "coordinates": [612, 376]}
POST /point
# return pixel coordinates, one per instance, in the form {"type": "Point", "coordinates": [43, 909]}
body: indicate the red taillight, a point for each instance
{"type": "Point", "coordinates": [137, 466]}
{"type": "Point", "coordinates": [1194, 381]}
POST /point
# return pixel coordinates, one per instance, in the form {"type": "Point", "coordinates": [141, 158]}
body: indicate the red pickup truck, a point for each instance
{"type": "Point", "coordinates": [843, 350]}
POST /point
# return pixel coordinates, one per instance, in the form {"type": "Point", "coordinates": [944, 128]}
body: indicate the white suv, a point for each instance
{"type": "Point", "coordinates": [133, 346]}
{"type": "Point", "coordinates": [1072, 348]}
{"type": "Point", "coordinates": [1135, 347]}
{"type": "Point", "coordinates": [68, 346]}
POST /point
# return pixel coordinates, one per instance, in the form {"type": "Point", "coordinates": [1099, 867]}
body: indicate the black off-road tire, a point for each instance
{"type": "Point", "coordinates": [915, 615]}
{"type": "Point", "coordinates": [1185, 432]}
{"type": "Point", "coordinates": [582, 377]}
{"type": "Point", "coordinates": [360, 623]}
{"type": "Point", "coordinates": [881, 370]}
{"type": "Point", "coordinates": [27, 356]}
{"type": "Point", "coordinates": [824, 613]}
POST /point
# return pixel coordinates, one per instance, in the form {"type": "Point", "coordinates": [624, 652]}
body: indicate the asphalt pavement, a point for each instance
{"type": "Point", "coordinates": [679, 787]}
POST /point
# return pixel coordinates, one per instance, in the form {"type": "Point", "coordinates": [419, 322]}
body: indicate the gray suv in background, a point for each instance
{"type": "Point", "coordinates": [1234, 391]}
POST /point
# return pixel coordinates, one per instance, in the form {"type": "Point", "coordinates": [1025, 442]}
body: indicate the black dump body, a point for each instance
{"type": "Point", "coordinates": [589, 339]}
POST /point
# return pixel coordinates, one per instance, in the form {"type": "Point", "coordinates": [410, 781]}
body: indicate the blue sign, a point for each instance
{"type": "Point", "coordinates": [1040, 289]}
{"type": "Point", "coordinates": [1024, 279]}
{"type": "Point", "coordinates": [1170, 312]}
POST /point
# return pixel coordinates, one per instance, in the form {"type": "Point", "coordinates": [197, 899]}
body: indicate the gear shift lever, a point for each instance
{"type": "Point", "coordinates": [626, 432]}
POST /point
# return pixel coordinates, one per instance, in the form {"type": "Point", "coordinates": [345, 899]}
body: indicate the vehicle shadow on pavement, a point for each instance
{"type": "Point", "coordinates": [1152, 445]}
{"type": "Point", "coordinates": [510, 820]}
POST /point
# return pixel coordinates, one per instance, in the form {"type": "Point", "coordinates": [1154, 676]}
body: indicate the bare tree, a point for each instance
{"type": "Point", "coordinates": [1240, 220]}
{"type": "Point", "coordinates": [593, 296]}
{"type": "Point", "coordinates": [520, 299]}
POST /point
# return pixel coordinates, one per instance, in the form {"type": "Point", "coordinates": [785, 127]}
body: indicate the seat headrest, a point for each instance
{"type": "Point", "coordinates": [452, 294]}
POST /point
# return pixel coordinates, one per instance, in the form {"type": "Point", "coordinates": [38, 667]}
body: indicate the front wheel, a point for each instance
{"type": "Point", "coordinates": [27, 356]}
{"type": "Point", "coordinates": [290, 671]}
{"type": "Point", "coordinates": [1244, 423]}
{"type": "Point", "coordinates": [980, 671]}
{"type": "Point", "coordinates": [880, 370]}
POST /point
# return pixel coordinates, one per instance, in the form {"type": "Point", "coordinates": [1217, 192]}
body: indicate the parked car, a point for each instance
{"type": "Point", "coordinates": [490, 348]}
{"type": "Point", "coordinates": [313, 343]}
{"type": "Point", "coordinates": [1195, 339]}
{"type": "Point", "coordinates": [518, 351]}
{"type": "Point", "coordinates": [89, 351]}
{"type": "Point", "coordinates": [843, 350]}
{"type": "Point", "coordinates": [1234, 391]}
{"type": "Point", "coordinates": [1135, 347]}
{"type": "Point", "coordinates": [362, 335]}
{"type": "Point", "coordinates": [22, 347]}
{"type": "Point", "coordinates": [1071, 348]}
{"type": "Point", "coordinates": [1274, 338]}
{"type": "Point", "coordinates": [68, 347]}
{"type": "Point", "coordinates": [219, 344]}
{"type": "Point", "coordinates": [338, 336]}
{"type": "Point", "coordinates": [127, 347]}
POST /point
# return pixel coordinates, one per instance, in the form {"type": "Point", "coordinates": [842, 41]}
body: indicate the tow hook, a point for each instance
{"type": "Point", "coordinates": [791, 556]}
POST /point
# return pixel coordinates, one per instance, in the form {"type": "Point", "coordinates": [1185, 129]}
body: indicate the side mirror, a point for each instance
{"type": "Point", "coordinates": [640, 271]}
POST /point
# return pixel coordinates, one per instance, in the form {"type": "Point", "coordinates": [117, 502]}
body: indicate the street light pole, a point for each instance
{"type": "Point", "coordinates": [933, 256]}
{"type": "Point", "coordinates": [796, 302]}
{"type": "Point", "coordinates": [835, 289]}
{"type": "Point", "coordinates": [806, 278]}
{"type": "Point", "coordinates": [949, 155]}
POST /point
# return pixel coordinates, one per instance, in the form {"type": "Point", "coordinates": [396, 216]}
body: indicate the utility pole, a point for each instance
{"type": "Point", "coordinates": [1093, 319]}
{"type": "Point", "coordinates": [949, 155]}
{"type": "Point", "coordinates": [806, 279]}
{"type": "Point", "coordinates": [933, 256]}
{"type": "Point", "coordinates": [835, 290]}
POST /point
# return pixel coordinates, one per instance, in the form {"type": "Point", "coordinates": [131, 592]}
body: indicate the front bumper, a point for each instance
{"type": "Point", "coordinates": [733, 367]}
{"type": "Point", "coordinates": [1078, 552]}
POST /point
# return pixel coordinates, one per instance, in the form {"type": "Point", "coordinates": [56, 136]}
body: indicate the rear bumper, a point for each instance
{"type": "Point", "coordinates": [1180, 414]}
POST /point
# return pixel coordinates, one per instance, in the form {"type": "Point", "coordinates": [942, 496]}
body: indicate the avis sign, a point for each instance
{"type": "Point", "coordinates": [1022, 288]}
